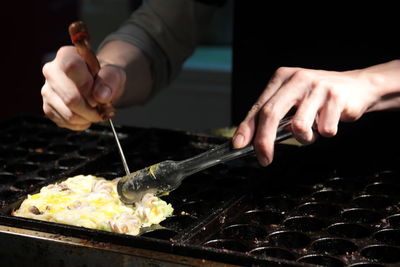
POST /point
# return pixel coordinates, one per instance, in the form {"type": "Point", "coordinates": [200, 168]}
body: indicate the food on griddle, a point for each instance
{"type": "Point", "coordinates": [93, 202]}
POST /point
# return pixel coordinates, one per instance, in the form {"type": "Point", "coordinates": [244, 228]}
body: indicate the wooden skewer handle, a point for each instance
{"type": "Point", "coordinates": [81, 39]}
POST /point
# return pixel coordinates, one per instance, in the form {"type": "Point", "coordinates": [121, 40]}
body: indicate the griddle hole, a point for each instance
{"type": "Point", "coordinates": [81, 138]}
{"type": "Point", "coordinates": [304, 224]}
{"type": "Point", "coordinates": [28, 183]}
{"type": "Point", "coordinates": [360, 215]}
{"type": "Point", "coordinates": [295, 191]}
{"type": "Point", "coordinates": [194, 208]}
{"type": "Point", "coordinates": [289, 239]}
{"type": "Point", "coordinates": [178, 222]}
{"type": "Point", "coordinates": [71, 162]}
{"type": "Point", "coordinates": [383, 189]}
{"type": "Point", "coordinates": [366, 264]}
{"type": "Point", "coordinates": [373, 201]}
{"type": "Point", "coordinates": [388, 236]}
{"type": "Point", "coordinates": [244, 231]}
{"type": "Point", "coordinates": [333, 246]}
{"type": "Point", "coordinates": [34, 145]}
{"type": "Point", "coordinates": [164, 234]}
{"type": "Point", "coordinates": [323, 260]}
{"type": "Point", "coordinates": [90, 152]}
{"type": "Point", "coordinates": [21, 168]}
{"type": "Point", "coordinates": [228, 244]}
{"type": "Point", "coordinates": [63, 149]}
{"type": "Point", "coordinates": [387, 176]}
{"type": "Point", "coordinates": [343, 184]}
{"type": "Point", "coordinates": [348, 230]}
{"type": "Point", "coordinates": [279, 204]}
{"type": "Point", "coordinates": [318, 209]}
{"type": "Point", "coordinates": [264, 217]}
{"type": "Point", "coordinates": [17, 153]}
{"type": "Point", "coordinates": [333, 196]}
{"type": "Point", "coordinates": [7, 177]}
{"type": "Point", "coordinates": [43, 158]}
{"type": "Point", "coordinates": [382, 253]}
{"type": "Point", "coordinates": [9, 138]}
{"type": "Point", "coordinates": [51, 134]}
{"type": "Point", "coordinates": [394, 220]}
{"type": "Point", "coordinates": [274, 252]}
{"type": "Point", "coordinates": [7, 194]}
{"type": "Point", "coordinates": [51, 172]}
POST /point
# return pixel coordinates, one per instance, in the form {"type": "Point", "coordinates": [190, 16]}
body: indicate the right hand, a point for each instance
{"type": "Point", "coordinates": [70, 94]}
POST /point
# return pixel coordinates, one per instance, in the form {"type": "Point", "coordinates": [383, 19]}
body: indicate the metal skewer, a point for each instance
{"type": "Point", "coordinates": [80, 38]}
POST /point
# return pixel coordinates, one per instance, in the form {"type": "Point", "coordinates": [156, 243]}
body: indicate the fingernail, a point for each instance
{"type": "Point", "coordinates": [103, 92]}
{"type": "Point", "coordinates": [238, 140]}
{"type": "Point", "coordinates": [263, 161]}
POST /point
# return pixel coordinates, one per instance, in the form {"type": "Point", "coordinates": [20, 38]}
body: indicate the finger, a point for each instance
{"type": "Point", "coordinates": [329, 118]}
{"type": "Point", "coordinates": [75, 68]}
{"type": "Point", "coordinates": [306, 114]}
{"type": "Point", "coordinates": [109, 84]}
{"type": "Point", "coordinates": [288, 96]}
{"type": "Point", "coordinates": [66, 115]}
{"type": "Point", "coordinates": [246, 129]}
{"type": "Point", "coordinates": [61, 85]}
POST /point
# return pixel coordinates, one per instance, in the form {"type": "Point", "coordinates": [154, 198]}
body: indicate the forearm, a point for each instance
{"type": "Point", "coordinates": [385, 78]}
{"type": "Point", "coordinates": [137, 67]}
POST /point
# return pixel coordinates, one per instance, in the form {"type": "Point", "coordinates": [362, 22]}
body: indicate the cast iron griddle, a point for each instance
{"type": "Point", "coordinates": [310, 206]}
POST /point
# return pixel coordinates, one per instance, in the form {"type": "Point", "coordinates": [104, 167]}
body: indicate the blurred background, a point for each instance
{"type": "Point", "coordinates": [200, 97]}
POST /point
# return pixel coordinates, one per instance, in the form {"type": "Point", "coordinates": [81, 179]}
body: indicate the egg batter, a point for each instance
{"type": "Point", "coordinates": [93, 202]}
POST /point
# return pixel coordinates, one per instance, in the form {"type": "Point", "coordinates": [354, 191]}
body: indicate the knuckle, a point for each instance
{"type": "Point", "coordinates": [281, 71]}
{"type": "Point", "coordinates": [299, 126]}
{"type": "Point", "coordinates": [72, 100]}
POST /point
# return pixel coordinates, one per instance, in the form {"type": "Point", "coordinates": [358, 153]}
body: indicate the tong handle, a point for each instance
{"type": "Point", "coordinates": [80, 37]}
{"type": "Point", "coordinates": [225, 152]}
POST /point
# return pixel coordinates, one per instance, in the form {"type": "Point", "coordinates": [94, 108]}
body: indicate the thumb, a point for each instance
{"type": "Point", "coordinates": [109, 84]}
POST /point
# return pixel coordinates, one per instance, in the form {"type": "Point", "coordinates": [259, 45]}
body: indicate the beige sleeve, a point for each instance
{"type": "Point", "coordinates": [167, 32]}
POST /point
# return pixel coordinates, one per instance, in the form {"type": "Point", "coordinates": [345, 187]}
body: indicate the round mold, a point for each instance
{"type": "Point", "coordinates": [34, 145]}
{"type": "Point", "coordinates": [42, 157]}
{"type": "Point", "coordinates": [323, 260]}
{"type": "Point", "coordinates": [63, 148]}
{"type": "Point", "coordinates": [289, 239]}
{"type": "Point", "coordinates": [71, 162]}
{"type": "Point", "coordinates": [22, 168]}
{"type": "Point", "coordinates": [90, 152]}
{"type": "Point", "coordinates": [366, 264]}
{"type": "Point", "coordinates": [387, 176]}
{"type": "Point", "coordinates": [360, 215]}
{"type": "Point", "coordinates": [295, 191]}
{"type": "Point", "coordinates": [273, 252]}
{"type": "Point", "coordinates": [6, 177]}
{"type": "Point", "coordinates": [381, 188]}
{"type": "Point", "coordinates": [7, 194]}
{"type": "Point", "coordinates": [318, 209]}
{"type": "Point", "coordinates": [178, 222]}
{"type": "Point", "coordinates": [228, 244]}
{"type": "Point", "coordinates": [332, 196]}
{"type": "Point", "coordinates": [244, 232]}
{"type": "Point", "coordinates": [279, 204]}
{"type": "Point", "coordinates": [388, 236]}
{"type": "Point", "coordinates": [52, 134]}
{"type": "Point", "coordinates": [80, 138]}
{"type": "Point", "coordinates": [348, 230]}
{"type": "Point", "coordinates": [304, 223]}
{"type": "Point", "coordinates": [333, 246]}
{"type": "Point", "coordinates": [343, 184]}
{"type": "Point", "coordinates": [194, 208]}
{"type": "Point", "coordinates": [263, 217]}
{"type": "Point", "coordinates": [394, 220]}
{"type": "Point", "coordinates": [373, 201]}
{"type": "Point", "coordinates": [164, 234]}
{"type": "Point", "coordinates": [51, 172]}
{"type": "Point", "coordinates": [381, 253]}
{"type": "Point", "coordinates": [28, 183]}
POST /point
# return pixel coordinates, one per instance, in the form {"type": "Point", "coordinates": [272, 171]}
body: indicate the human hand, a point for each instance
{"type": "Point", "coordinates": [321, 99]}
{"type": "Point", "coordinates": [70, 93]}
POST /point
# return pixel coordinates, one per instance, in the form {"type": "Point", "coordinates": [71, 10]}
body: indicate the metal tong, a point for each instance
{"type": "Point", "coordinates": [166, 176]}
{"type": "Point", "coordinates": [80, 38]}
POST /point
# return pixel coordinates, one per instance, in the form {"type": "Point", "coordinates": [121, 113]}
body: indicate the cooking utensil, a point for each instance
{"type": "Point", "coordinates": [167, 175]}
{"type": "Point", "coordinates": [80, 38]}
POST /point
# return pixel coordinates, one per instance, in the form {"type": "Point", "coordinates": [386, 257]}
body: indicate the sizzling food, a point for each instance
{"type": "Point", "coordinates": [93, 202]}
